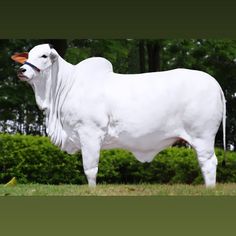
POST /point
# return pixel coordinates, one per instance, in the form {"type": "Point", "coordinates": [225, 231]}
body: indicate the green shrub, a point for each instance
{"type": "Point", "coordinates": [33, 159]}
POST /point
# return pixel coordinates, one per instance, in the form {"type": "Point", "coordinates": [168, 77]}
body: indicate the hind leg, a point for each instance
{"type": "Point", "coordinates": [207, 160]}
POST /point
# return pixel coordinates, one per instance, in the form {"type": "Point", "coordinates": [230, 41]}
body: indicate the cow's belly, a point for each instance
{"type": "Point", "coordinates": [144, 147]}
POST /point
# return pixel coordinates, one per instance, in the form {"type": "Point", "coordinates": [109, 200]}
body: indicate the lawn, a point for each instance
{"type": "Point", "coordinates": [117, 190]}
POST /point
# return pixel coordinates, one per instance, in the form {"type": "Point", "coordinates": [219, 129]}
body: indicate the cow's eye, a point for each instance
{"type": "Point", "coordinates": [44, 56]}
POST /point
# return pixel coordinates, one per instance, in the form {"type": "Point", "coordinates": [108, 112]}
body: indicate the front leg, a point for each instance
{"type": "Point", "coordinates": [90, 147]}
{"type": "Point", "coordinates": [90, 155]}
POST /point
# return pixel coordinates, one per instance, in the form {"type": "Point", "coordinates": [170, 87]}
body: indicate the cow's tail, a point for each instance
{"type": "Point", "coordinates": [224, 127]}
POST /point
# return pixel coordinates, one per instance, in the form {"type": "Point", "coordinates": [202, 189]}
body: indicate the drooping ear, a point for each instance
{"type": "Point", "coordinates": [20, 57]}
{"type": "Point", "coordinates": [53, 55]}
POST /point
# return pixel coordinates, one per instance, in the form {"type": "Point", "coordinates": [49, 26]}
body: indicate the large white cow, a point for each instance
{"type": "Point", "coordinates": [89, 107]}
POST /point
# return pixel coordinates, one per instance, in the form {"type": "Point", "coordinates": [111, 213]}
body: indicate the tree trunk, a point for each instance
{"type": "Point", "coordinates": [154, 58]}
{"type": "Point", "coordinates": [141, 56]}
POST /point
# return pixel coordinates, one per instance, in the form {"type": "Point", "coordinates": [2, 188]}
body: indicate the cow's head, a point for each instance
{"type": "Point", "coordinates": [38, 60]}
{"type": "Point", "coordinates": [37, 71]}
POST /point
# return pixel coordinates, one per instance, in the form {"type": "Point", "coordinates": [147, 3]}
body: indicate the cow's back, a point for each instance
{"type": "Point", "coordinates": [144, 97]}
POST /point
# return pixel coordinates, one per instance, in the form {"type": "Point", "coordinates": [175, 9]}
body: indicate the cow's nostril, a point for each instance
{"type": "Point", "coordinates": [22, 70]}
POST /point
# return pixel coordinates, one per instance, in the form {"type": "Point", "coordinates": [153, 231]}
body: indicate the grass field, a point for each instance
{"type": "Point", "coordinates": [117, 190]}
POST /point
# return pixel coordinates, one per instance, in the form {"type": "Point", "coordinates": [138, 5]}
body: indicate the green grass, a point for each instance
{"type": "Point", "coordinates": [117, 190]}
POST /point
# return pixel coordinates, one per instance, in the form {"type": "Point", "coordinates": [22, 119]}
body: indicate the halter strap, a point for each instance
{"type": "Point", "coordinates": [33, 66]}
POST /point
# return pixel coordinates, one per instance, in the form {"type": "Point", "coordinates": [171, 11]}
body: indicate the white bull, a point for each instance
{"type": "Point", "coordinates": [89, 107]}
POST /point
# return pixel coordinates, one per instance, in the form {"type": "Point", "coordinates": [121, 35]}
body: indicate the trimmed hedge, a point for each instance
{"type": "Point", "coordinates": [33, 159]}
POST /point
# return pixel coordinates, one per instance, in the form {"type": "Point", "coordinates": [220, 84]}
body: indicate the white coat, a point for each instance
{"type": "Point", "coordinates": [89, 107]}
